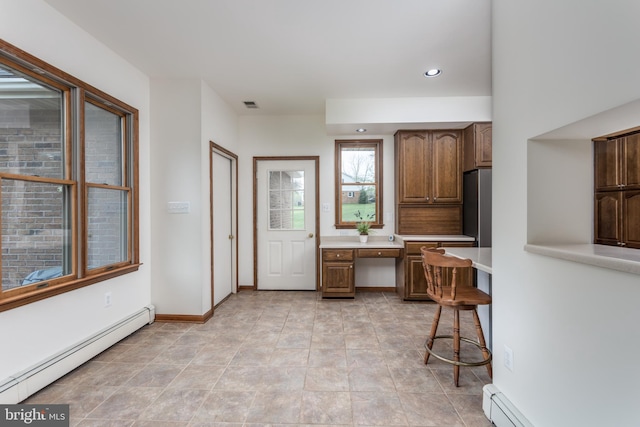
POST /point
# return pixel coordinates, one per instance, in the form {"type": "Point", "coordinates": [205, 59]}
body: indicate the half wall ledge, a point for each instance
{"type": "Point", "coordinates": [611, 257]}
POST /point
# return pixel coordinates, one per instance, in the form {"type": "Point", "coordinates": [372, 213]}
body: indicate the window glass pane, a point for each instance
{"type": "Point", "coordinates": [31, 131]}
{"type": "Point", "coordinates": [103, 145]}
{"type": "Point", "coordinates": [107, 227]}
{"type": "Point", "coordinates": [358, 165]}
{"type": "Point", "coordinates": [35, 232]}
{"type": "Point", "coordinates": [358, 203]}
{"type": "Point", "coordinates": [286, 200]}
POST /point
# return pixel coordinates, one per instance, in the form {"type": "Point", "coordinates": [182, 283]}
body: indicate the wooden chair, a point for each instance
{"type": "Point", "coordinates": [441, 273]}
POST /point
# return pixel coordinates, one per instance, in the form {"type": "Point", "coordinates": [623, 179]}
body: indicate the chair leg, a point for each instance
{"type": "Point", "coordinates": [483, 345]}
{"type": "Point", "coordinates": [432, 334]}
{"type": "Point", "coordinates": [456, 345]}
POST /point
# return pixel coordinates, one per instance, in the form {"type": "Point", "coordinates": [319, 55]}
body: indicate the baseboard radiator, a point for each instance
{"type": "Point", "coordinates": [500, 411]}
{"type": "Point", "coordinates": [18, 387]}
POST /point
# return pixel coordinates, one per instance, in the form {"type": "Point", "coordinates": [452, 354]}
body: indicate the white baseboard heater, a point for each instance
{"type": "Point", "coordinates": [18, 387]}
{"type": "Point", "coordinates": [500, 411]}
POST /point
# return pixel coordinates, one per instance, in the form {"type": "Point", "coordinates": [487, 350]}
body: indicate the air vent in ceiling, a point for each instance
{"type": "Point", "coordinates": [250, 104]}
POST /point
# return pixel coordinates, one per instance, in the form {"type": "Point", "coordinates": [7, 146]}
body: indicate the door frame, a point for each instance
{"type": "Point", "coordinates": [256, 159]}
{"type": "Point", "coordinates": [215, 149]}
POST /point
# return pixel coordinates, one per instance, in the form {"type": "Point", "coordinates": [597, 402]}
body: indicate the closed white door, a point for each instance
{"type": "Point", "coordinates": [286, 224]}
{"type": "Point", "coordinates": [224, 239]}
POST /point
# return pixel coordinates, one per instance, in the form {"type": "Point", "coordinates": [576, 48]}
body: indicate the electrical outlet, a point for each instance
{"type": "Point", "coordinates": [508, 358]}
{"type": "Point", "coordinates": [107, 299]}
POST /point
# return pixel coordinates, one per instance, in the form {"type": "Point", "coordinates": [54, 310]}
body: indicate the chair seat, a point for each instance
{"type": "Point", "coordinates": [465, 296]}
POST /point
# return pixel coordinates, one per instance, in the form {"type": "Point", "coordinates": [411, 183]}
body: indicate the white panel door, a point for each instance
{"type": "Point", "coordinates": [223, 235]}
{"type": "Point", "coordinates": [286, 224]}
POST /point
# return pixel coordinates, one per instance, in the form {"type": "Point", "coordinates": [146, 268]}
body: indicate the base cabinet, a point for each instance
{"type": "Point", "coordinates": [411, 284]}
{"type": "Point", "coordinates": [338, 274]}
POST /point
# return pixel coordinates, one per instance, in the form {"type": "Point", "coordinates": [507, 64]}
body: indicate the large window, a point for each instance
{"type": "Point", "coordinates": [68, 174]}
{"type": "Point", "coordinates": [358, 182]}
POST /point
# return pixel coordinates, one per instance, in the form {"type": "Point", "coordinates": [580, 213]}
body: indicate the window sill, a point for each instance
{"type": "Point", "coordinates": [611, 257]}
{"type": "Point", "coordinates": [40, 294]}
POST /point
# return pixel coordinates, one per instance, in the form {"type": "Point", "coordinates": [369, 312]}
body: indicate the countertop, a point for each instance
{"type": "Point", "coordinates": [353, 242]}
{"type": "Point", "coordinates": [435, 238]}
{"type": "Point", "coordinates": [383, 241]}
{"type": "Point", "coordinates": [481, 257]}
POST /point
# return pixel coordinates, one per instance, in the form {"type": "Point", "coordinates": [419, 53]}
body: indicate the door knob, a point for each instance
{"type": "Point", "coordinates": [310, 235]}
{"type": "Point", "coordinates": [230, 236]}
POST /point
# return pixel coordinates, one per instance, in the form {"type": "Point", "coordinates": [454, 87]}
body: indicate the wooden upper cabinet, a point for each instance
{"type": "Point", "coordinates": [631, 162]}
{"type": "Point", "coordinates": [607, 218]}
{"type": "Point", "coordinates": [617, 163]}
{"type": "Point", "coordinates": [429, 167]}
{"type": "Point", "coordinates": [631, 219]}
{"type": "Point", "coordinates": [413, 155]}
{"type": "Point", "coordinates": [446, 167]}
{"type": "Point", "coordinates": [478, 143]}
{"type": "Point", "coordinates": [617, 190]}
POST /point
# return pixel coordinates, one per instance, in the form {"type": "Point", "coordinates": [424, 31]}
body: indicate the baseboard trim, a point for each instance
{"type": "Point", "coordinates": [184, 318]}
{"type": "Point", "coordinates": [375, 289]}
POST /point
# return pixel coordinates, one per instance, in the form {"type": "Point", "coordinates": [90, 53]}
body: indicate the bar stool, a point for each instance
{"type": "Point", "coordinates": [441, 273]}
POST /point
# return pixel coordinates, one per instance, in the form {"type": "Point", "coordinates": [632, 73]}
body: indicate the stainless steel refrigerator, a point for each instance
{"type": "Point", "coordinates": [476, 217]}
{"type": "Point", "coordinates": [477, 223]}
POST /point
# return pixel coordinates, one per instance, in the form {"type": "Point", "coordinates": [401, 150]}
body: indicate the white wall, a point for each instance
{"type": "Point", "coordinates": [176, 176]}
{"type": "Point", "coordinates": [301, 136]}
{"type": "Point", "coordinates": [573, 328]}
{"type": "Point", "coordinates": [34, 332]}
{"type": "Point", "coordinates": [220, 125]}
{"type": "Point", "coordinates": [187, 115]}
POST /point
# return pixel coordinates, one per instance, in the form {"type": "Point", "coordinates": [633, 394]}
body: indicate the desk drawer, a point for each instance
{"type": "Point", "coordinates": [337, 254]}
{"type": "Point", "coordinates": [379, 253]}
{"type": "Point", "coordinates": [413, 248]}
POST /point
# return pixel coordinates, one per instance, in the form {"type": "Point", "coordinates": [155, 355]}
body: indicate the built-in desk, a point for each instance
{"type": "Point", "coordinates": [338, 255]}
{"type": "Point", "coordinates": [481, 259]}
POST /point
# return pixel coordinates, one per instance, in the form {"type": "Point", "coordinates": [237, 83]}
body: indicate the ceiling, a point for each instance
{"type": "Point", "coordinates": [289, 56]}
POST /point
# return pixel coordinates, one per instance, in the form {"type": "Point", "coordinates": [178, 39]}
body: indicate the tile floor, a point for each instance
{"type": "Point", "coordinates": [278, 358]}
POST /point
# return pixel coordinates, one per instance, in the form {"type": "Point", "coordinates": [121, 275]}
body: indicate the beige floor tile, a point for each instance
{"type": "Point", "coordinates": [279, 359]}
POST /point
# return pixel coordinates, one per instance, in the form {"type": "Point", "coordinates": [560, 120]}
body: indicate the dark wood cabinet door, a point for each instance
{"type": "Point", "coordinates": [477, 146]}
{"type": "Point", "coordinates": [337, 278]}
{"type": "Point", "coordinates": [484, 144]}
{"type": "Point", "coordinates": [607, 216]}
{"type": "Point", "coordinates": [631, 162]}
{"type": "Point", "coordinates": [416, 282]}
{"type": "Point", "coordinates": [631, 219]}
{"type": "Point", "coordinates": [413, 168]}
{"type": "Point", "coordinates": [607, 165]}
{"type": "Point", "coordinates": [446, 167]}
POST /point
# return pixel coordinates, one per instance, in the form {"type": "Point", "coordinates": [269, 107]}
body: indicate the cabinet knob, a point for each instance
{"type": "Point", "coordinates": [427, 198]}
{"type": "Point", "coordinates": [351, 266]}
{"type": "Point", "coordinates": [435, 198]}
{"type": "Point", "coordinates": [379, 253]}
{"type": "Point", "coordinates": [338, 256]}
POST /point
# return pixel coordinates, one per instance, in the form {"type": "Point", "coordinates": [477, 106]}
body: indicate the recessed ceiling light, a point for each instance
{"type": "Point", "coordinates": [361, 130]}
{"type": "Point", "coordinates": [433, 72]}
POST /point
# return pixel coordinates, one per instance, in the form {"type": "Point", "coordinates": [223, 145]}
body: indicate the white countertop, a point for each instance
{"type": "Point", "coordinates": [481, 257]}
{"type": "Point", "coordinates": [435, 238]}
{"type": "Point", "coordinates": [349, 242]}
{"type": "Point", "coordinates": [612, 257]}
{"type": "Point", "coordinates": [353, 242]}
